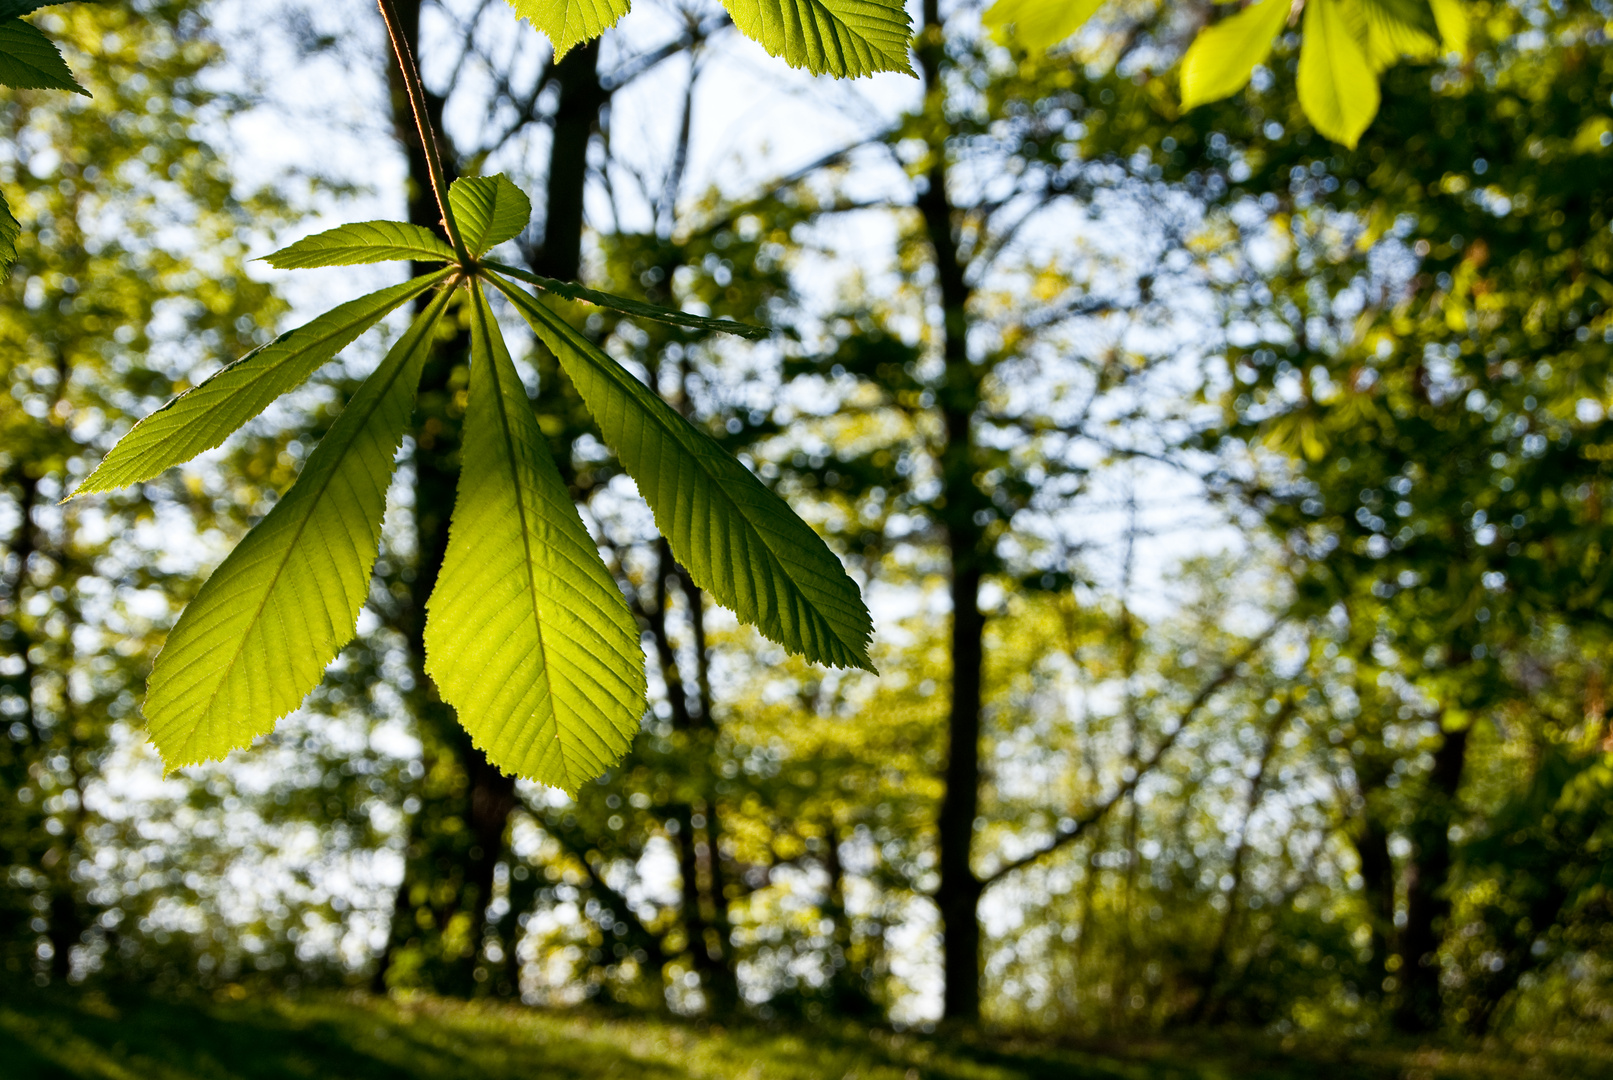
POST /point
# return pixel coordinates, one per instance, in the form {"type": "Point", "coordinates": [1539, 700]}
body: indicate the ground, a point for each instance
{"type": "Point", "coordinates": [124, 1035]}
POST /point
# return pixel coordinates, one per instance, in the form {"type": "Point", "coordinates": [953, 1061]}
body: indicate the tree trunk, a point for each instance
{"type": "Point", "coordinates": [961, 512]}
{"type": "Point", "coordinates": [1427, 905]}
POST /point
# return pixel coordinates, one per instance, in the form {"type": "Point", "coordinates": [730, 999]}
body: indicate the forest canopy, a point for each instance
{"type": "Point", "coordinates": [1089, 522]}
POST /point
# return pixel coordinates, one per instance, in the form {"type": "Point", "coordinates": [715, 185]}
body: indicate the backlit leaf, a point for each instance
{"type": "Point", "coordinates": [204, 416]}
{"type": "Point", "coordinates": [1399, 30]}
{"type": "Point", "coordinates": [846, 38]}
{"type": "Point", "coordinates": [568, 23]}
{"type": "Point", "coordinates": [489, 210]}
{"type": "Point", "coordinates": [1337, 87]}
{"type": "Point", "coordinates": [527, 635]}
{"type": "Point", "coordinates": [363, 242]}
{"type": "Point", "coordinates": [1451, 18]}
{"type": "Point", "coordinates": [739, 541]}
{"type": "Point", "coordinates": [1038, 24]}
{"type": "Point", "coordinates": [9, 231]}
{"type": "Point", "coordinates": [29, 61]}
{"type": "Point", "coordinates": [1222, 58]}
{"type": "Point", "coordinates": [260, 633]}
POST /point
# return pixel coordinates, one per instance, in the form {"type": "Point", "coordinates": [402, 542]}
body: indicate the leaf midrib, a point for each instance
{"type": "Point", "coordinates": [484, 313]}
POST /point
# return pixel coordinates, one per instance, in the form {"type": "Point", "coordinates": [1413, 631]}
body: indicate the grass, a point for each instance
{"type": "Point", "coordinates": [50, 1036]}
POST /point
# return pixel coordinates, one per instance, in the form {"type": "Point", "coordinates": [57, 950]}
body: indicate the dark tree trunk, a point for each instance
{"type": "Point", "coordinates": [963, 513]}
{"type": "Point", "coordinates": [1427, 905]}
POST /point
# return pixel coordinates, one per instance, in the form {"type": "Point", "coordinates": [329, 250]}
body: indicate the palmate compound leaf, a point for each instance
{"type": "Point", "coordinates": [527, 635]}
{"type": "Point", "coordinates": [845, 38]}
{"type": "Point", "coordinates": [363, 242]}
{"type": "Point", "coordinates": [1038, 24]}
{"type": "Point", "coordinates": [739, 541]}
{"type": "Point", "coordinates": [260, 633]}
{"type": "Point", "coordinates": [489, 210]}
{"type": "Point", "coordinates": [1222, 58]}
{"type": "Point", "coordinates": [28, 60]}
{"type": "Point", "coordinates": [569, 23]}
{"type": "Point", "coordinates": [205, 415]}
{"type": "Point", "coordinates": [1337, 87]}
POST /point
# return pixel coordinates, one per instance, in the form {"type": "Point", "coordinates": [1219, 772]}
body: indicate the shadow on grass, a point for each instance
{"type": "Point", "coordinates": [56, 1035]}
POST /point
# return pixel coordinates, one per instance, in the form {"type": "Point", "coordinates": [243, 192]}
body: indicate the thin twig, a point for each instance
{"type": "Point", "coordinates": [428, 137]}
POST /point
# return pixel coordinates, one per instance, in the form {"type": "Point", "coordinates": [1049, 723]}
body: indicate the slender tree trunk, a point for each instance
{"type": "Point", "coordinates": [1428, 907]}
{"type": "Point", "coordinates": [963, 514]}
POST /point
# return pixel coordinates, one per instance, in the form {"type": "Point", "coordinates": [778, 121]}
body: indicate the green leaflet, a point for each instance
{"type": "Point", "coordinates": [568, 23]}
{"type": "Point", "coordinates": [1337, 87]}
{"type": "Point", "coordinates": [10, 229]}
{"type": "Point", "coordinates": [206, 415]}
{"type": "Point", "coordinates": [11, 9]}
{"type": "Point", "coordinates": [527, 635]}
{"type": "Point", "coordinates": [259, 634]}
{"type": "Point", "coordinates": [1222, 58]}
{"type": "Point", "coordinates": [363, 242]}
{"type": "Point", "coordinates": [739, 541]}
{"type": "Point", "coordinates": [29, 61]}
{"type": "Point", "coordinates": [1451, 20]}
{"type": "Point", "coordinates": [846, 38]}
{"type": "Point", "coordinates": [1038, 24]}
{"type": "Point", "coordinates": [628, 306]}
{"type": "Point", "coordinates": [1399, 29]}
{"type": "Point", "coordinates": [489, 210]}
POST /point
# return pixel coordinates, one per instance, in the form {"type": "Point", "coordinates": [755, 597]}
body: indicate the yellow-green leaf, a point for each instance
{"type": "Point", "coordinates": [363, 242]}
{"type": "Point", "coordinates": [845, 38]}
{"type": "Point", "coordinates": [1451, 18]}
{"type": "Point", "coordinates": [260, 633]}
{"type": "Point", "coordinates": [739, 541]}
{"type": "Point", "coordinates": [489, 210]}
{"type": "Point", "coordinates": [527, 635]}
{"type": "Point", "coordinates": [205, 415]}
{"type": "Point", "coordinates": [1222, 58]}
{"type": "Point", "coordinates": [1038, 24]}
{"type": "Point", "coordinates": [568, 23]}
{"type": "Point", "coordinates": [1337, 87]}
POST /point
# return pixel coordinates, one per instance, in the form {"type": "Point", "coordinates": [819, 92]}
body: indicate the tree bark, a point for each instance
{"type": "Point", "coordinates": [961, 511]}
{"type": "Point", "coordinates": [1426, 875]}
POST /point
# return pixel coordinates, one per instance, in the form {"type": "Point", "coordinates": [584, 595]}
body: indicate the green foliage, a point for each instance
{"type": "Point", "coordinates": [569, 23]}
{"type": "Point", "coordinates": [1037, 24]}
{"type": "Point", "coordinates": [527, 635]}
{"type": "Point", "coordinates": [1337, 88]}
{"type": "Point", "coordinates": [1222, 58]}
{"type": "Point", "coordinates": [204, 416]}
{"type": "Point", "coordinates": [29, 61]}
{"type": "Point", "coordinates": [489, 209]}
{"type": "Point", "coordinates": [1346, 44]}
{"type": "Point", "coordinates": [258, 636]}
{"type": "Point", "coordinates": [363, 242]}
{"type": "Point", "coordinates": [738, 540]}
{"type": "Point", "coordinates": [844, 38]}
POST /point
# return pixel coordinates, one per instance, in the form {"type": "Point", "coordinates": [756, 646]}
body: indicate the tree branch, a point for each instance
{"type": "Point", "coordinates": [1068, 834]}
